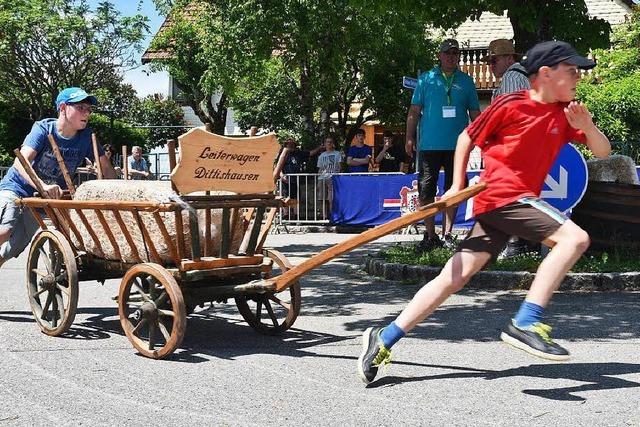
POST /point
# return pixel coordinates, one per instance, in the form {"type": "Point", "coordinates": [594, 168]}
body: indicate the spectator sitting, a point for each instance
{"type": "Point", "coordinates": [392, 157]}
{"type": "Point", "coordinates": [328, 164]}
{"type": "Point", "coordinates": [359, 155]}
{"type": "Point", "coordinates": [138, 167]}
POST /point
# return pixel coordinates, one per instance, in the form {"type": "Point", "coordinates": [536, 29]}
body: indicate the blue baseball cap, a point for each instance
{"type": "Point", "coordinates": [72, 95]}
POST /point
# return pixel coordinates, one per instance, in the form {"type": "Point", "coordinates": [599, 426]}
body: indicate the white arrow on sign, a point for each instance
{"type": "Point", "coordinates": [558, 189]}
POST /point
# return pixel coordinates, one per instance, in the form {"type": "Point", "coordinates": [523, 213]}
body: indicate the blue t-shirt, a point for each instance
{"type": "Point", "coordinates": [139, 165]}
{"type": "Point", "coordinates": [359, 153]}
{"type": "Point", "coordinates": [438, 132]}
{"type": "Point", "coordinates": [73, 150]}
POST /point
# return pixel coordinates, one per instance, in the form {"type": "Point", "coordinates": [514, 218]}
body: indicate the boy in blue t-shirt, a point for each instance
{"type": "Point", "coordinates": [359, 155]}
{"type": "Point", "coordinates": [17, 224]}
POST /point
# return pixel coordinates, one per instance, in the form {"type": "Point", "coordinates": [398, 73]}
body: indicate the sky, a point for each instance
{"type": "Point", "coordinates": [141, 78]}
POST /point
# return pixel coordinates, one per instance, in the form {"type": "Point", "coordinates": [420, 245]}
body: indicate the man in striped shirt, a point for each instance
{"type": "Point", "coordinates": [503, 63]}
{"type": "Point", "coordinates": [502, 59]}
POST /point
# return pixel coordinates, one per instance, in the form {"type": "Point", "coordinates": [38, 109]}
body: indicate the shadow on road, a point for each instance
{"type": "Point", "coordinates": [596, 376]}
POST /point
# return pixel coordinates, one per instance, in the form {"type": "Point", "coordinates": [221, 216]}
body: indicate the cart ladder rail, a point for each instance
{"type": "Point", "coordinates": [291, 276]}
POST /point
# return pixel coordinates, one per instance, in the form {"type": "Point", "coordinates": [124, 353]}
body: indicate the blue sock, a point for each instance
{"type": "Point", "coordinates": [528, 314]}
{"type": "Point", "coordinates": [391, 335]}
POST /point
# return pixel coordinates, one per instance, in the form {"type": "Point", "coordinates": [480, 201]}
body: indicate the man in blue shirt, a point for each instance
{"type": "Point", "coordinates": [138, 167]}
{"type": "Point", "coordinates": [359, 155]}
{"type": "Point", "coordinates": [443, 102]}
{"type": "Point", "coordinates": [17, 224]}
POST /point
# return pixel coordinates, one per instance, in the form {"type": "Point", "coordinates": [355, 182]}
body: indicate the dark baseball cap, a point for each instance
{"type": "Point", "coordinates": [449, 44]}
{"type": "Point", "coordinates": [552, 53]}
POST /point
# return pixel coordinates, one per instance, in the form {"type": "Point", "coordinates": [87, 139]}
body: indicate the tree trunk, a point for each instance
{"type": "Point", "coordinates": [218, 113]}
{"type": "Point", "coordinates": [523, 38]}
{"type": "Point", "coordinates": [306, 102]}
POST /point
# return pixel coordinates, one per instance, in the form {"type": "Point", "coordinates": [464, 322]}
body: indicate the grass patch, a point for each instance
{"type": "Point", "coordinates": [602, 263]}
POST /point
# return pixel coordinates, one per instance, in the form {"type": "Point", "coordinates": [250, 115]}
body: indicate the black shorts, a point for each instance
{"type": "Point", "coordinates": [429, 170]}
{"type": "Point", "coordinates": [530, 218]}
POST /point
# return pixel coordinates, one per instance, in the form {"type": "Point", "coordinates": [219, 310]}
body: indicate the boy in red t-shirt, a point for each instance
{"type": "Point", "coordinates": [520, 135]}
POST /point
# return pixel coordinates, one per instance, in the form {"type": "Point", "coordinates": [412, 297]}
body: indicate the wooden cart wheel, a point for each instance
{"type": "Point", "coordinates": [152, 311]}
{"type": "Point", "coordinates": [272, 313]}
{"type": "Point", "coordinates": [52, 282]}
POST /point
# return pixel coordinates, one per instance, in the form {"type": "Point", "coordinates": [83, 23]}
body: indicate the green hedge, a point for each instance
{"type": "Point", "coordinates": [615, 105]}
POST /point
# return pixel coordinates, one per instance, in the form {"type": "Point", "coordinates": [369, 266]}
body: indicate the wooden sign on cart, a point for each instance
{"type": "Point", "coordinates": [209, 161]}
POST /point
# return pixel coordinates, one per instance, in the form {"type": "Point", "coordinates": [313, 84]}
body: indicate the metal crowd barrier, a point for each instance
{"type": "Point", "coordinates": [312, 196]}
{"type": "Point", "coordinates": [313, 200]}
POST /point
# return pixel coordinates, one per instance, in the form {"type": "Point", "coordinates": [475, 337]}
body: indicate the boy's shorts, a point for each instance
{"type": "Point", "coordinates": [530, 218]}
{"type": "Point", "coordinates": [19, 221]}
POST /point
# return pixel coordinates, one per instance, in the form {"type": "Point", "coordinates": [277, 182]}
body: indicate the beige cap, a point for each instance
{"type": "Point", "coordinates": [501, 47]}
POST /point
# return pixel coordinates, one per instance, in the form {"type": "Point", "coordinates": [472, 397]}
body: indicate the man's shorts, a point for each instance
{"type": "Point", "coordinates": [429, 170]}
{"type": "Point", "coordinates": [19, 221]}
{"type": "Point", "coordinates": [530, 218]}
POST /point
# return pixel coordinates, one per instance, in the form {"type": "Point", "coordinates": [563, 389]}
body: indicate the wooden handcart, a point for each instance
{"type": "Point", "coordinates": [155, 295]}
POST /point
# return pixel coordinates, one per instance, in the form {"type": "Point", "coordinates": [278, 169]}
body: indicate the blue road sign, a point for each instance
{"type": "Point", "coordinates": [567, 180]}
{"type": "Point", "coordinates": [409, 82]}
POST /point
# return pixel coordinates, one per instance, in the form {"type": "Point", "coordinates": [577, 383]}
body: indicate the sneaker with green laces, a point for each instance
{"type": "Point", "coordinates": [374, 355]}
{"type": "Point", "coordinates": [535, 340]}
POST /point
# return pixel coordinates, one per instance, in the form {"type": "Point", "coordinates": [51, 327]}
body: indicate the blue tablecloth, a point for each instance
{"type": "Point", "coordinates": [374, 199]}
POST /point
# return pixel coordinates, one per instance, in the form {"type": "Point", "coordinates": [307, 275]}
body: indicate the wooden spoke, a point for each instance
{"type": "Point", "coordinates": [141, 291]}
{"type": "Point", "coordinates": [164, 296]}
{"type": "Point", "coordinates": [139, 326]}
{"type": "Point", "coordinates": [61, 308]}
{"type": "Point", "coordinates": [272, 315]}
{"type": "Point", "coordinates": [54, 310]}
{"type": "Point", "coordinates": [39, 272]}
{"type": "Point", "coordinates": [164, 331]}
{"type": "Point", "coordinates": [57, 265]}
{"type": "Point", "coordinates": [259, 309]}
{"type": "Point", "coordinates": [166, 313]}
{"type": "Point", "coordinates": [47, 304]}
{"type": "Point", "coordinates": [278, 301]}
{"type": "Point", "coordinates": [40, 292]}
{"type": "Point", "coordinates": [153, 329]}
{"type": "Point", "coordinates": [63, 289]}
{"type": "Point", "coordinates": [134, 304]}
{"type": "Point", "coordinates": [44, 255]}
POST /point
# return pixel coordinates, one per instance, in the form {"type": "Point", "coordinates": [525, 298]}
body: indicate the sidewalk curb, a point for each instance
{"type": "Point", "coordinates": [506, 280]}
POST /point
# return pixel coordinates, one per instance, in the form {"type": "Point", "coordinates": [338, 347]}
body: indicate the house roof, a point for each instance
{"type": "Point", "coordinates": [150, 54]}
{"type": "Point", "coordinates": [477, 34]}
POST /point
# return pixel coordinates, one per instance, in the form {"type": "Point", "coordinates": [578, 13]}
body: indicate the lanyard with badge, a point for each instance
{"type": "Point", "coordinates": [448, 111]}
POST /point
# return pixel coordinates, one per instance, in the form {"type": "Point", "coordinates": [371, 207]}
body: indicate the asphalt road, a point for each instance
{"type": "Point", "coordinates": [452, 369]}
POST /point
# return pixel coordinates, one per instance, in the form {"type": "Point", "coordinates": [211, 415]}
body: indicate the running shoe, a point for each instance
{"type": "Point", "coordinates": [535, 340]}
{"type": "Point", "coordinates": [374, 354]}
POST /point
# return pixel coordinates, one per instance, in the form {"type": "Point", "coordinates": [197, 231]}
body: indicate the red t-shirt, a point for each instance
{"type": "Point", "coordinates": [520, 139]}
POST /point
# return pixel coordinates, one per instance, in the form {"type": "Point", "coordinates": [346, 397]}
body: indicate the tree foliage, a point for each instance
{"type": "Point", "coordinates": [532, 20]}
{"type": "Point", "coordinates": [155, 111]}
{"type": "Point", "coordinates": [47, 45]}
{"type": "Point", "coordinates": [184, 39]}
{"type": "Point", "coordinates": [117, 132]}
{"type": "Point", "coordinates": [292, 63]}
